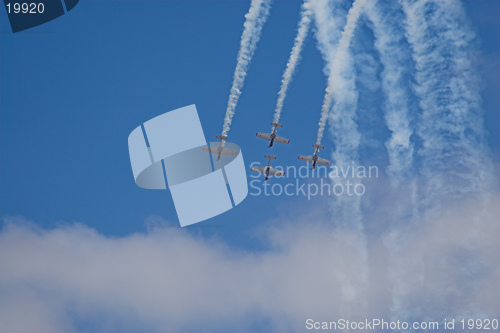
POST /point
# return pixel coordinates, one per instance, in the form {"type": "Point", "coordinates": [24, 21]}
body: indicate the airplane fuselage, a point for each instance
{"type": "Point", "coordinates": [220, 151]}
{"type": "Point", "coordinates": [315, 158]}
{"type": "Point", "coordinates": [273, 136]}
{"type": "Point", "coordinates": [268, 169]}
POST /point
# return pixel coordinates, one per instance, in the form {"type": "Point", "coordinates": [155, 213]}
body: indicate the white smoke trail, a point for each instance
{"type": "Point", "coordinates": [342, 85]}
{"type": "Point", "coordinates": [254, 21]}
{"type": "Point", "coordinates": [329, 24]}
{"type": "Point", "coordinates": [450, 126]}
{"type": "Point", "coordinates": [293, 61]}
{"type": "Point", "coordinates": [339, 67]}
{"type": "Point", "coordinates": [453, 165]}
{"type": "Point", "coordinates": [389, 42]}
{"type": "Point", "coordinates": [394, 56]}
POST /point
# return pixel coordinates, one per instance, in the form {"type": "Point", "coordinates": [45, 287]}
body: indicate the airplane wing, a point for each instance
{"type": "Point", "coordinates": [272, 171]}
{"type": "Point", "coordinates": [306, 158]}
{"type": "Point", "coordinates": [276, 172]}
{"type": "Point", "coordinates": [215, 150]}
{"type": "Point", "coordinates": [259, 169]}
{"type": "Point", "coordinates": [281, 139]}
{"type": "Point", "coordinates": [265, 136]}
{"type": "Point", "coordinates": [323, 161]}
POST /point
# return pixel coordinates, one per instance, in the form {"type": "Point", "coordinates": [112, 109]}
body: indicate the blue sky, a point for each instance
{"type": "Point", "coordinates": [74, 88]}
{"type": "Point", "coordinates": [66, 114]}
{"type": "Point", "coordinates": [100, 78]}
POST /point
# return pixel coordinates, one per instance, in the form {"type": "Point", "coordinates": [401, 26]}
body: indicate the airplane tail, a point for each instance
{"type": "Point", "coordinates": [276, 125]}
{"type": "Point", "coordinates": [270, 157]}
{"type": "Point", "coordinates": [221, 137]}
{"type": "Point", "coordinates": [318, 146]}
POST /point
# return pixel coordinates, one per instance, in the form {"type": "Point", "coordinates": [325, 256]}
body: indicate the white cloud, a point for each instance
{"type": "Point", "coordinates": [73, 278]}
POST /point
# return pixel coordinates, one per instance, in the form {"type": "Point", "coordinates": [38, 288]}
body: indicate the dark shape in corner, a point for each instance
{"type": "Point", "coordinates": [35, 13]}
{"type": "Point", "coordinates": [70, 4]}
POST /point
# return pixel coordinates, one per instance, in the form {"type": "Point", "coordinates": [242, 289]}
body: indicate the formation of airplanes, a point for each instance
{"type": "Point", "coordinates": [272, 138]}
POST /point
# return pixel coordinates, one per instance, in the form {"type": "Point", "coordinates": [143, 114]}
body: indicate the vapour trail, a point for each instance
{"type": "Point", "coordinates": [341, 85]}
{"type": "Point", "coordinates": [341, 64]}
{"type": "Point", "coordinates": [389, 43]}
{"type": "Point", "coordinates": [329, 23]}
{"type": "Point", "coordinates": [454, 163]}
{"type": "Point", "coordinates": [334, 39]}
{"type": "Point", "coordinates": [254, 21]}
{"type": "Point", "coordinates": [294, 59]}
{"type": "Point", "coordinates": [395, 57]}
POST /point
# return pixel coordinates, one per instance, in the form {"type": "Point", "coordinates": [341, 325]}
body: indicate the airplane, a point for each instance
{"type": "Point", "coordinates": [267, 170]}
{"type": "Point", "coordinates": [220, 150]}
{"type": "Point", "coordinates": [315, 159]}
{"type": "Point", "coordinates": [272, 136]}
